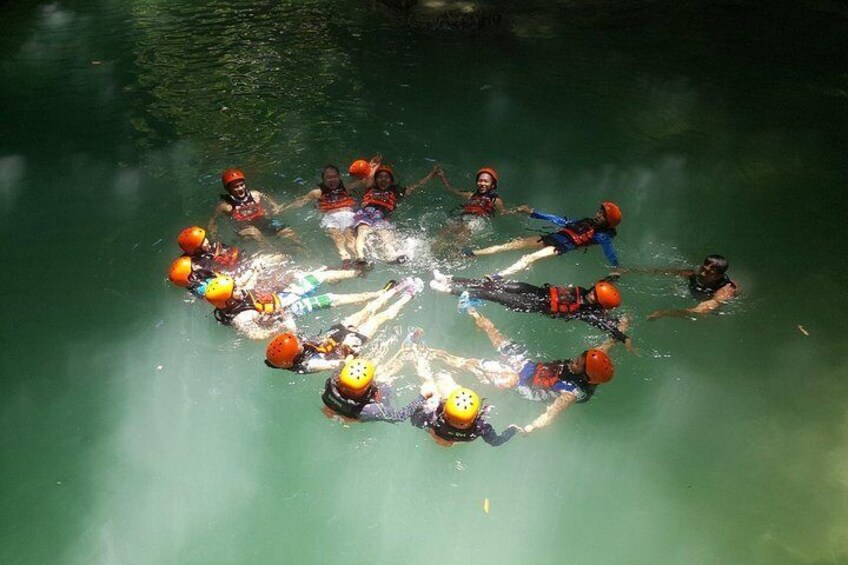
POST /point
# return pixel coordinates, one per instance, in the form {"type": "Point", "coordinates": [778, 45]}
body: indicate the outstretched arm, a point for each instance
{"type": "Point", "coordinates": [442, 177]}
{"type": "Point", "coordinates": [706, 307]}
{"type": "Point", "coordinates": [605, 242]}
{"type": "Point", "coordinates": [275, 206]}
{"type": "Point", "coordinates": [212, 226]}
{"type": "Point", "coordinates": [302, 200]}
{"type": "Point", "coordinates": [562, 402]}
{"type": "Point", "coordinates": [558, 220]}
{"type": "Point", "coordinates": [412, 187]}
{"type": "Point", "coordinates": [491, 437]}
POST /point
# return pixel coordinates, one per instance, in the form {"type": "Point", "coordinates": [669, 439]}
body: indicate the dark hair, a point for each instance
{"type": "Point", "coordinates": [324, 170]}
{"type": "Point", "coordinates": [718, 262]}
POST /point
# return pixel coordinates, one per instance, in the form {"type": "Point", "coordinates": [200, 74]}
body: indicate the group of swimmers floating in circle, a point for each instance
{"type": "Point", "coordinates": [261, 297]}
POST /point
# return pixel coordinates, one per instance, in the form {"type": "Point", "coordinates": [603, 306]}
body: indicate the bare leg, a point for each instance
{"type": "Point", "coordinates": [389, 240]}
{"type": "Point", "coordinates": [523, 243]}
{"type": "Point", "coordinates": [341, 243]}
{"type": "Point", "coordinates": [527, 260]}
{"type": "Point", "coordinates": [253, 233]}
{"type": "Point", "coordinates": [358, 318]}
{"type": "Point", "coordinates": [334, 276]}
{"type": "Point", "coordinates": [355, 298]}
{"type": "Point", "coordinates": [387, 370]}
{"type": "Point", "coordinates": [370, 327]}
{"type": "Point", "coordinates": [361, 236]}
{"type": "Point", "coordinates": [487, 372]}
{"type": "Point", "coordinates": [350, 241]}
{"type": "Point", "coordinates": [288, 233]}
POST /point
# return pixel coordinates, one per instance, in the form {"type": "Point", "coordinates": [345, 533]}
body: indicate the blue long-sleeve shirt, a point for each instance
{"type": "Point", "coordinates": [603, 239]}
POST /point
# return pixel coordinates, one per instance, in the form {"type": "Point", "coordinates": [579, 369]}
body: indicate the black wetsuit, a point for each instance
{"type": "Point", "coordinates": [524, 297]}
{"type": "Point", "coordinates": [704, 291]}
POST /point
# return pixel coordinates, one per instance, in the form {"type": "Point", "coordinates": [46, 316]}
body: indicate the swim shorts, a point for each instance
{"type": "Point", "coordinates": [340, 220]}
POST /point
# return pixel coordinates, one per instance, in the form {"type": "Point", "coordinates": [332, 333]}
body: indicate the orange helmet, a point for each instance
{"type": "Point", "coordinates": [489, 170]}
{"type": "Point", "coordinates": [283, 350]}
{"type": "Point", "coordinates": [230, 176]}
{"type": "Point", "coordinates": [190, 239]}
{"type": "Point", "coordinates": [180, 271]}
{"type": "Point", "coordinates": [612, 213]}
{"type": "Point", "coordinates": [359, 168]}
{"type": "Point", "coordinates": [607, 295]}
{"type": "Point", "coordinates": [599, 367]}
{"type": "Point", "coordinates": [385, 169]}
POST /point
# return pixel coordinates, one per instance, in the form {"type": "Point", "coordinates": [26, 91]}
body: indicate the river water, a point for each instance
{"type": "Point", "coordinates": [136, 430]}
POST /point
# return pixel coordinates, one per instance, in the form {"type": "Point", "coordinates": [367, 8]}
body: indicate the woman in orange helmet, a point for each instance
{"type": "Point", "coordinates": [565, 302]}
{"type": "Point", "coordinates": [248, 209]}
{"type": "Point", "coordinates": [479, 207]}
{"type": "Point", "coordinates": [381, 197]}
{"type": "Point", "coordinates": [573, 234]}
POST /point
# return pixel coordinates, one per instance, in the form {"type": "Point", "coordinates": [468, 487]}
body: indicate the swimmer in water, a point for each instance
{"type": "Point", "coordinates": [564, 302]}
{"type": "Point", "coordinates": [337, 204]}
{"type": "Point", "coordinates": [379, 201]}
{"type": "Point", "coordinates": [260, 315]}
{"type": "Point", "coordinates": [475, 214]}
{"type": "Point", "coordinates": [455, 413]}
{"type": "Point", "coordinates": [709, 284]}
{"type": "Point", "coordinates": [566, 382]}
{"type": "Point", "coordinates": [212, 256]}
{"type": "Point", "coordinates": [599, 229]}
{"type": "Point", "coordinates": [355, 394]}
{"type": "Point", "coordinates": [328, 351]}
{"type": "Point", "coordinates": [248, 209]}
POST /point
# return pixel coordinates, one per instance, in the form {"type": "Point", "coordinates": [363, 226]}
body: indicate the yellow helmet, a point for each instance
{"type": "Point", "coordinates": [356, 377]}
{"type": "Point", "coordinates": [219, 290]}
{"type": "Point", "coordinates": [462, 407]}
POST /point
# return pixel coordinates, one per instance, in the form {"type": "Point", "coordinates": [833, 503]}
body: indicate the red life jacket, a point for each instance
{"type": "Point", "coordinates": [265, 303]}
{"type": "Point", "coordinates": [547, 375]}
{"type": "Point", "coordinates": [580, 233]}
{"type": "Point", "coordinates": [224, 255]}
{"type": "Point", "coordinates": [244, 209]}
{"type": "Point", "coordinates": [335, 199]}
{"type": "Point", "coordinates": [566, 299]}
{"type": "Point", "coordinates": [481, 204]}
{"type": "Point", "coordinates": [384, 199]}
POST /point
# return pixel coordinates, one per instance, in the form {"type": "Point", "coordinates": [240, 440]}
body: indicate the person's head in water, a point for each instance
{"type": "Point", "coordinates": [234, 183]}
{"type": "Point", "coordinates": [356, 379]}
{"type": "Point", "coordinates": [595, 364]}
{"type": "Point", "coordinates": [608, 214]}
{"type": "Point", "coordinates": [462, 408]}
{"type": "Point", "coordinates": [605, 295]}
{"type": "Point", "coordinates": [222, 292]}
{"type": "Point", "coordinates": [331, 178]}
{"type": "Point", "coordinates": [193, 239]}
{"type": "Point", "coordinates": [384, 177]}
{"type": "Point", "coordinates": [186, 272]}
{"type": "Point", "coordinates": [283, 350]}
{"type": "Point", "coordinates": [713, 268]}
{"type": "Point", "coordinates": [487, 180]}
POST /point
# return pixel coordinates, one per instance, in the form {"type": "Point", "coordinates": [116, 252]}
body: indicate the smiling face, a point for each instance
{"type": "Point", "coordinates": [383, 180]}
{"type": "Point", "coordinates": [485, 182]}
{"type": "Point", "coordinates": [332, 179]}
{"type": "Point", "coordinates": [237, 189]}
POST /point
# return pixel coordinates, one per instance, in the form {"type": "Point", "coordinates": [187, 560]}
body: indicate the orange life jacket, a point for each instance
{"type": "Point", "coordinates": [547, 375]}
{"type": "Point", "coordinates": [566, 299]}
{"type": "Point", "coordinates": [384, 199]}
{"type": "Point", "coordinates": [580, 233]}
{"type": "Point", "coordinates": [244, 209]}
{"type": "Point", "coordinates": [333, 200]}
{"type": "Point", "coordinates": [481, 204]}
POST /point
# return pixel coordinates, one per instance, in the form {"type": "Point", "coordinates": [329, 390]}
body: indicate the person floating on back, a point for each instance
{"type": "Point", "coordinates": [709, 284]}
{"type": "Point", "coordinates": [565, 302]}
{"type": "Point", "coordinates": [573, 234]}
{"type": "Point", "coordinates": [249, 209]}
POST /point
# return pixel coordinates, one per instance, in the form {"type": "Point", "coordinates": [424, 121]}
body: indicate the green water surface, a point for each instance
{"type": "Point", "coordinates": [134, 429]}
